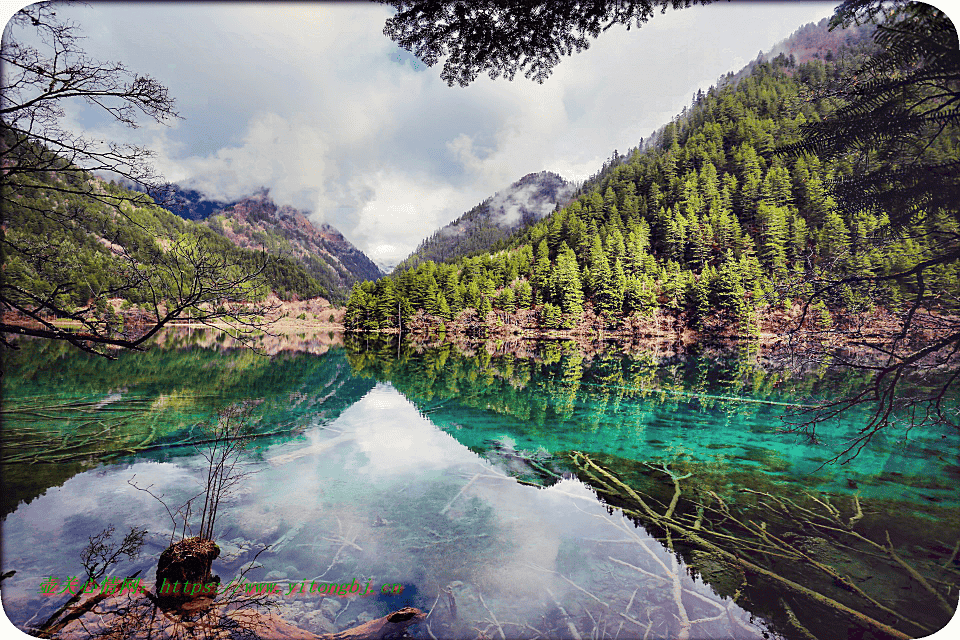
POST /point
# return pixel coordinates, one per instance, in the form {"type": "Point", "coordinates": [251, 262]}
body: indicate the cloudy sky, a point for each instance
{"type": "Point", "coordinates": [314, 102]}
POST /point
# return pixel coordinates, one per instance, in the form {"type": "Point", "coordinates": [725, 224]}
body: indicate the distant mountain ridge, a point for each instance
{"type": "Point", "coordinates": [256, 221]}
{"type": "Point", "coordinates": [529, 199]}
{"type": "Point", "coordinates": [706, 222]}
{"type": "Point", "coordinates": [192, 204]}
{"type": "Point", "coordinates": [816, 41]}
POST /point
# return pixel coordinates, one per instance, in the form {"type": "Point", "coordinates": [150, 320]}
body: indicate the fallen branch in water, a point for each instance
{"type": "Point", "coordinates": [393, 625]}
{"type": "Point", "coordinates": [492, 616]}
{"type": "Point", "coordinates": [568, 580]}
{"type": "Point", "coordinates": [566, 617]}
{"type": "Point", "coordinates": [668, 521]}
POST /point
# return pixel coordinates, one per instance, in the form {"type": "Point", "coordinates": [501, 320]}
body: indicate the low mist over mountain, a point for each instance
{"type": "Point", "coordinates": [529, 199]}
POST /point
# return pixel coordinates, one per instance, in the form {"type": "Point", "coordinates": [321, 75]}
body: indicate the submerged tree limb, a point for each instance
{"type": "Point", "coordinates": [919, 578]}
{"type": "Point", "coordinates": [566, 617]}
{"type": "Point", "coordinates": [696, 538]}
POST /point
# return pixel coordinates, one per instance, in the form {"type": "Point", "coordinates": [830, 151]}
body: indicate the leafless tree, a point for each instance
{"type": "Point", "coordinates": [230, 437]}
{"type": "Point", "coordinates": [100, 554]}
{"type": "Point", "coordinates": [37, 80]}
{"type": "Point", "coordinates": [222, 443]}
{"type": "Point", "coordinates": [47, 175]}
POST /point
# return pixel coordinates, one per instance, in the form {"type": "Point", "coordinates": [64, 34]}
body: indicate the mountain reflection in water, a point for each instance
{"type": "Point", "coordinates": [456, 475]}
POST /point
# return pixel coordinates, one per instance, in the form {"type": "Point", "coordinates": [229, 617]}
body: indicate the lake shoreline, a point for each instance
{"type": "Point", "coordinates": [774, 332]}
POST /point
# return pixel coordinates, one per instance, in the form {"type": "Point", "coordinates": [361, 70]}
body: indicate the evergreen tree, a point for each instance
{"type": "Point", "coordinates": [541, 273]}
{"type": "Point", "coordinates": [773, 252]}
{"type": "Point", "coordinates": [618, 286]}
{"type": "Point", "coordinates": [552, 316]}
{"type": "Point", "coordinates": [701, 298]}
{"type": "Point", "coordinates": [355, 313]}
{"type": "Point", "coordinates": [442, 308]}
{"type": "Point", "coordinates": [473, 297]}
{"type": "Point", "coordinates": [387, 304]}
{"type": "Point", "coordinates": [566, 283]}
{"type": "Point", "coordinates": [601, 286]}
{"type": "Point", "coordinates": [507, 300]}
{"type": "Point", "coordinates": [524, 293]}
{"type": "Point", "coordinates": [834, 237]}
{"type": "Point", "coordinates": [728, 291]}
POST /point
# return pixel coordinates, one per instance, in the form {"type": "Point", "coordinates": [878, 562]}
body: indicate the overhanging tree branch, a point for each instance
{"type": "Point", "coordinates": [898, 123]}
{"type": "Point", "coordinates": [501, 38]}
{"type": "Point", "coordinates": [47, 180]}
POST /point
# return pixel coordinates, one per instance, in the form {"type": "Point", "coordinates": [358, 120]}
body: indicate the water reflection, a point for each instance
{"type": "Point", "coordinates": [396, 500]}
{"type": "Point", "coordinates": [723, 410]}
{"type": "Point", "coordinates": [691, 448]}
{"type": "Point", "coordinates": [467, 477]}
{"type": "Point", "coordinates": [65, 411]}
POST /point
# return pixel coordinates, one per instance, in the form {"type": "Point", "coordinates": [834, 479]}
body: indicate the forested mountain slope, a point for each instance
{"type": "Point", "coordinates": [256, 221]}
{"type": "Point", "coordinates": [527, 200]}
{"type": "Point", "coordinates": [817, 41]}
{"type": "Point", "coordinates": [86, 251]}
{"type": "Point", "coordinates": [711, 223]}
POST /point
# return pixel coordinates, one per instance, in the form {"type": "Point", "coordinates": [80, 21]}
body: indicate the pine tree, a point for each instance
{"type": "Point", "coordinates": [834, 237]}
{"type": "Point", "coordinates": [524, 295]}
{"type": "Point", "coordinates": [728, 290]}
{"type": "Point", "coordinates": [777, 187]}
{"type": "Point", "coordinates": [452, 293]}
{"type": "Point", "coordinates": [618, 286]}
{"type": "Point", "coordinates": [473, 296]}
{"type": "Point", "coordinates": [773, 220]}
{"type": "Point", "coordinates": [442, 308]}
{"type": "Point", "coordinates": [599, 277]}
{"type": "Point", "coordinates": [485, 307]}
{"type": "Point", "coordinates": [541, 273]}
{"type": "Point", "coordinates": [507, 300]}
{"type": "Point", "coordinates": [566, 283]}
{"type": "Point", "coordinates": [701, 299]}
{"type": "Point", "coordinates": [797, 242]}
{"type": "Point", "coordinates": [387, 304]}
{"type": "Point", "coordinates": [354, 315]}
{"type": "Point", "coordinates": [552, 316]}
{"type": "Point", "coordinates": [610, 210]}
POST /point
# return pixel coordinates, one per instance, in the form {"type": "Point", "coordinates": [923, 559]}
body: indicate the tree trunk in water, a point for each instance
{"type": "Point", "coordinates": [186, 562]}
{"type": "Point", "coordinates": [389, 626]}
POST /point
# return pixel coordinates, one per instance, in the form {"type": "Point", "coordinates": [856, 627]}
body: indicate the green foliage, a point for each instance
{"type": "Point", "coordinates": [94, 250]}
{"type": "Point", "coordinates": [552, 316]}
{"type": "Point", "coordinates": [898, 117]}
{"type": "Point", "coordinates": [500, 39]}
{"type": "Point", "coordinates": [707, 218]}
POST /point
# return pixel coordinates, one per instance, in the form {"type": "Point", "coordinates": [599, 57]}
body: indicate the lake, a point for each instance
{"type": "Point", "coordinates": [540, 491]}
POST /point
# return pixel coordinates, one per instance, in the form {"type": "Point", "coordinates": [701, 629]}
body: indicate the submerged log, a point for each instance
{"type": "Point", "coordinates": [389, 626]}
{"type": "Point", "coordinates": [273, 627]}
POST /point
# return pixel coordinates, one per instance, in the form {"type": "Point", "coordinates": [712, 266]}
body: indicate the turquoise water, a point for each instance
{"type": "Point", "coordinates": [454, 475]}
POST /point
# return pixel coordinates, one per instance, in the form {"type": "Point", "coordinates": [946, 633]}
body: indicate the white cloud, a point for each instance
{"type": "Point", "coordinates": [315, 103]}
{"type": "Point", "coordinates": [393, 220]}
{"type": "Point", "coordinates": [289, 157]}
